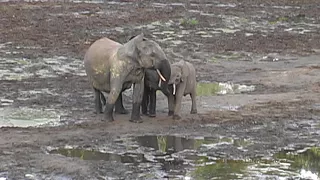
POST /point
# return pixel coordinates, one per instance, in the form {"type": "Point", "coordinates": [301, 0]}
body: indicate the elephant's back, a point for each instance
{"type": "Point", "coordinates": [101, 50]}
{"type": "Point", "coordinates": [97, 61]}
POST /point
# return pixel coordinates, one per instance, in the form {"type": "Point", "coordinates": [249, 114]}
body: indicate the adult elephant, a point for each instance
{"type": "Point", "coordinates": [112, 67]}
{"type": "Point", "coordinates": [152, 83]}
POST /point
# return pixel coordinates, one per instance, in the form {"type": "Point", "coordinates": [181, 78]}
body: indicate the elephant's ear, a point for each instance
{"type": "Point", "coordinates": [131, 37]}
{"type": "Point", "coordinates": [184, 70]}
{"type": "Point", "coordinates": [146, 54]}
{"type": "Point", "coordinates": [144, 47]}
{"type": "Point", "coordinates": [130, 48]}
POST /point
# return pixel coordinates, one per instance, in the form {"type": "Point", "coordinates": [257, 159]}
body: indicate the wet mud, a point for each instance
{"type": "Point", "coordinates": [258, 100]}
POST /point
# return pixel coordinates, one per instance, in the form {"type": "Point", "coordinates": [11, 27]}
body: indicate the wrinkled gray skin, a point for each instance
{"type": "Point", "coordinates": [152, 83]}
{"type": "Point", "coordinates": [183, 76]}
{"type": "Point", "coordinates": [112, 67]}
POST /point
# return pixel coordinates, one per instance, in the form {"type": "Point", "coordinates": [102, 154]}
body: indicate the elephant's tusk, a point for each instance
{"type": "Point", "coordinates": [159, 82]}
{"type": "Point", "coordinates": [163, 79]}
{"type": "Point", "coordinates": [174, 89]}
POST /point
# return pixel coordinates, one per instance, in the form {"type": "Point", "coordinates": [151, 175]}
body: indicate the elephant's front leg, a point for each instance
{"type": "Point", "coordinates": [137, 98]}
{"type": "Point", "coordinates": [178, 100]}
{"type": "Point", "coordinates": [115, 90]}
{"type": "Point", "coordinates": [153, 101]}
{"type": "Point", "coordinates": [171, 104]}
{"type": "Point", "coordinates": [145, 101]}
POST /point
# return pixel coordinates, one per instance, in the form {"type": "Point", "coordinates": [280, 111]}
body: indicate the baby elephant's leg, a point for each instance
{"type": "Point", "coordinates": [178, 100]}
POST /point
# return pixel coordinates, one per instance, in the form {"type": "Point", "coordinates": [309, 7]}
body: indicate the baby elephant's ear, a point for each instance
{"type": "Point", "coordinates": [132, 37]}
{"type": "Point", "coordinates": [184, 70]}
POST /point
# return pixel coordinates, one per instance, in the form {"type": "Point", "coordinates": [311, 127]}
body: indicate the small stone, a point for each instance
{"type": "Point", "coordinates": [292, 127]}
{"type": "Point", "coordinates": [201, 32]}
{"type": "Point", "coordinates": [6, 101]}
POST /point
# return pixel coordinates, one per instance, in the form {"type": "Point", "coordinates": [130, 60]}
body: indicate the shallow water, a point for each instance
{"type": "Point", "coordinates": [24, 117]}
{"type": "Point", "coordinates": [22, 68]}
{"type": "Point", "coordinates": [207, 89]}
{"type": "Point", "coordinates": [96, 155]}
{"type": "Point", "coordinates": [178, 157]}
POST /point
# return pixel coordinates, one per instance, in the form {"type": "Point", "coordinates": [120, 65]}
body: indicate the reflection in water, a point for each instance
{"type": "Point", "coordinates": [303, 165]}
{"type": "Point", "coordinates": [172, 144]}
{"type": "Point", "coordinates": [221, 169]}
{"type": "Point", "coordinates": [96, 155]}
{"type": "Point", "coordinates": [194, 166]}
{"type": "Point", "coordinates": [168, 144]}
{"type": "Point", "coordinates": [307, 160]}
{"type": "Point", "coordinates": [186, 158]}
{"type": "Point", "coordinates": [175, 166]}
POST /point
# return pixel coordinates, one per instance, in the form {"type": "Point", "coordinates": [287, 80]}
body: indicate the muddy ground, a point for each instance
{"type": "Point", "coordinates": [273, 45]}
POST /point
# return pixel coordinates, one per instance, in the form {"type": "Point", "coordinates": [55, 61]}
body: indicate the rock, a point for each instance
{"type": "Point", "coordinates": [6, 101]}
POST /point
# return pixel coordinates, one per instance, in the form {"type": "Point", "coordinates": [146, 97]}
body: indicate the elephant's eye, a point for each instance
{"type": "Point", "coordinates": [153, 54]}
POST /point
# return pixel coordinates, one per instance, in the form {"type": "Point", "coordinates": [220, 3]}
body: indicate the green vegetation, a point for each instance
{"type": "Point", "coordinates": [227, 56]}
{"type": "Point", "coordinates": [296, 18]}
{"type": "Point", "coordinates": [280, 19]}
{"type": "Point", "coordinates": [186, 21]}
{"type": "Point", "coordinates": [224, 169]}
{"type": "Point", "coordinates": [208, 89]}
{"type": "Point", "coordinates": [162, 143]}
{"type": "Point", "coordinates": [23, 62]}
{"type": "Point", "coordinates": [309, 160]}
{"type": "Point", "coordinates": [80, 153]}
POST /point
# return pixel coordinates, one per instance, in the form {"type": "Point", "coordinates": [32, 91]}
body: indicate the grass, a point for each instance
{"type": "Point", "coordinates": [191, 21]}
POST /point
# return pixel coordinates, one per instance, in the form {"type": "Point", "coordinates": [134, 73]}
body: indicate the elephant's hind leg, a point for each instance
{"type": "Point", "coordinates": [97, 101]}
{"type": "Point", "coordinates": [119, 108]}
{"type": "Point", "coordinates": [194, 102]}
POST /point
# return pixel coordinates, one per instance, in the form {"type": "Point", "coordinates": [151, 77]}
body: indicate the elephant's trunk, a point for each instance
{"type": "Point", "coordinates": [165, 70]}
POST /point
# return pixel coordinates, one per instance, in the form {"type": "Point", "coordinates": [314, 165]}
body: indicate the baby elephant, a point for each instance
{"type": "Point", "coordinates": [183, 80]}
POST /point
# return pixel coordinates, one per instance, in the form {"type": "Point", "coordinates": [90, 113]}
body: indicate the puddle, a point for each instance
{"type": "Point", "coordinates": [306, 159]}
{"type": "Point", "coordinates": [173, 144]}
{"type": "Point", "coordinates": [207, 89]}
{"type": "Point", "coordinates": [24, 117]}
{"type": "Point", "coordinates": [21, 68]}
{"type": "Point", "coordinates": [98, 156]}
{"type": "Point", "coordinates": [178, 157]}
{"type": "Point", "coordinates": [233, 56]}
